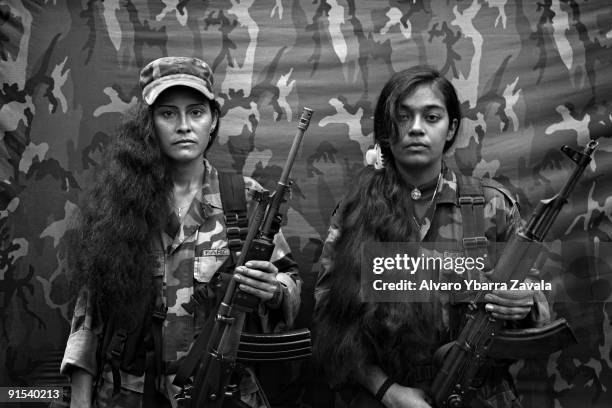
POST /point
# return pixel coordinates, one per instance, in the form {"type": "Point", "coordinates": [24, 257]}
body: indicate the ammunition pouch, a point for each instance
{"type": "Point", "coordinates": [122, 347]}
{"type": "Point", "coordinates": [128, 346]}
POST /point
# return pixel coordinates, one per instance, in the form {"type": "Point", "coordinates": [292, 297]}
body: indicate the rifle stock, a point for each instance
{"type": "Point", "coordinates": [482, 336]}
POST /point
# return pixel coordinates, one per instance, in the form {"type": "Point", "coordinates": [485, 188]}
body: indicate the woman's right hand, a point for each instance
{"type": "Point", "coordinates": [398, 396]}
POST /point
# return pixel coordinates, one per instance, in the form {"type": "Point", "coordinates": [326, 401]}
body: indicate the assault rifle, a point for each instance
{"type": "Point", "coordinates": [482, 337]}
{"type": "Point", "coordinates": [221, 342]}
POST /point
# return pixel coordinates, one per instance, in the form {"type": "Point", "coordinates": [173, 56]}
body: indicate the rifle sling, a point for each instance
{"type": "Point", "coordinates": [190, 361]}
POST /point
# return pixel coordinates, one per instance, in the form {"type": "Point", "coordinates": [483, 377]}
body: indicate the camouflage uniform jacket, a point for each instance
{"type": "Point", "coordinates": [502, 219]}
{"type": "Point", "coordinates": [189, 253]}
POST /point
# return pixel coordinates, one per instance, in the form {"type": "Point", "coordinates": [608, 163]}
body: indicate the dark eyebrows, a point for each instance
{"type": "Point", "coordinates": [192, 105]}
{"type": "Point", "coordinates": [432, 106]}
{"type": "Point", "coordinates": [204, 104]}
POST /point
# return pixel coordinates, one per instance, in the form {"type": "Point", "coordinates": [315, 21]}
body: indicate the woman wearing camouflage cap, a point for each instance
{"type": "Point", "coordinates": [380, 353]}
{"type": "Point", "coordinates": [152, 229]}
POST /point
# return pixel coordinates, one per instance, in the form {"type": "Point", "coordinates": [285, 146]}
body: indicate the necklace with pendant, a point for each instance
{"type": "Point", "coordinates": [416, 194]}
{"type": "Point", "coordinates": [179, 210]}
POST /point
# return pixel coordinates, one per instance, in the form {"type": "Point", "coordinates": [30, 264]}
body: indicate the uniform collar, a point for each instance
{"type": "Point", "coordinates": [210, 187]}
{"type": "Point", "coordinates": [447, 190]}
{"type": "Point", "coordinates": [202, 206]}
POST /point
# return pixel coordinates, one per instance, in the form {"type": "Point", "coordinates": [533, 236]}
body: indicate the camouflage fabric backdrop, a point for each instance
{"type": "Point", "coordinates": [532, 76]}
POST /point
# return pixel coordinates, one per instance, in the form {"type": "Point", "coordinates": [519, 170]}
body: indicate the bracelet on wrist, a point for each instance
{"type": "Point", "coordinates": [383, 389]}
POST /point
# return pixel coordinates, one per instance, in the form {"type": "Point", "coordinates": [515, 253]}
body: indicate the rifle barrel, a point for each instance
{"type": "Point", "coordinates": [547, 210]}
{"type": "Point", "coordinates": [297, 140]}
{"type": "Point", "coordinates": [283, 182]}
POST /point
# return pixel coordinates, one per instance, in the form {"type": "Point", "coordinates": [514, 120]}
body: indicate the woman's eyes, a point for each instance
{"type": "Point", "coordinates": [404, 116]}
{"type": "Point", "coordinates": [170, 114]}
{"type": "Point", "coordinates": [430, 117]}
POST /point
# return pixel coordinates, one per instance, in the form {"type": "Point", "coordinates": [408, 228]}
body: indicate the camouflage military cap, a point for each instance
{"type": "Point", "coordinates": [163, 73]}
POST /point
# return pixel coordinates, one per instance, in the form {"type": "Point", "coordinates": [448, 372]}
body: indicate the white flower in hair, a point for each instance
{"type": "Point", "coordinates": [370, 157]}
{"type": "Point", "coordinates": [375, 157]}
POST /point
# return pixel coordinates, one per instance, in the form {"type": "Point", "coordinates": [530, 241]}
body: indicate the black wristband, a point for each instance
{"type": "Point", "coordinates": [383, 389]}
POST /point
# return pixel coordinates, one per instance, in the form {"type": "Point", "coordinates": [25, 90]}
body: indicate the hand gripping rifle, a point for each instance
{"type": "Point", "coordinates": [482, 337]}
{"type": "Point", "coordinates": [223, 335]}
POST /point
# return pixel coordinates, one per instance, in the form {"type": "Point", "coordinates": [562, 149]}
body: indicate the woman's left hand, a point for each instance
{"type": "Point", "coordinates": [509, 304]}
{"type": "Point", "coordinates": [259, 279]}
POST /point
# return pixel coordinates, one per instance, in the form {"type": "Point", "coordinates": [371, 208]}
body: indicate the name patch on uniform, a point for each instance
{"type": "Point", "coordinates": [452, 254]}
{"type": "Point", "coordinates": [216, 252]}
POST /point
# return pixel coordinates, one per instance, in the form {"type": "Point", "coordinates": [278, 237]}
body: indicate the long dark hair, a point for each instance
{"type": "Point", "coordinates": [350, 332]}
{"type": "Point", "coordinates": [124, 209]}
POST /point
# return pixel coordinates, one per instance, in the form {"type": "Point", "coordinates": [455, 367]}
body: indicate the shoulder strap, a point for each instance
{"type": "Point", "coordinates": [231, 188]}
{"type": "Point", "coordinates": [233, 200]}
{"type": "Point", "coordinates": [471, 202]}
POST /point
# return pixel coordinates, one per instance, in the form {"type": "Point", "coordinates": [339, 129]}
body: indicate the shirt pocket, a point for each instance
{"type": "Point", "coordinates": [160, 267]}
{"type": "Point", "coordinates": [204, 267]}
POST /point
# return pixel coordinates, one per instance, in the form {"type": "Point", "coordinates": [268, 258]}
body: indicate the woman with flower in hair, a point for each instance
{"type": "Point", "coordinates": [380, 353]}
{"type": "Point", "coordinates": [151, 245]}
